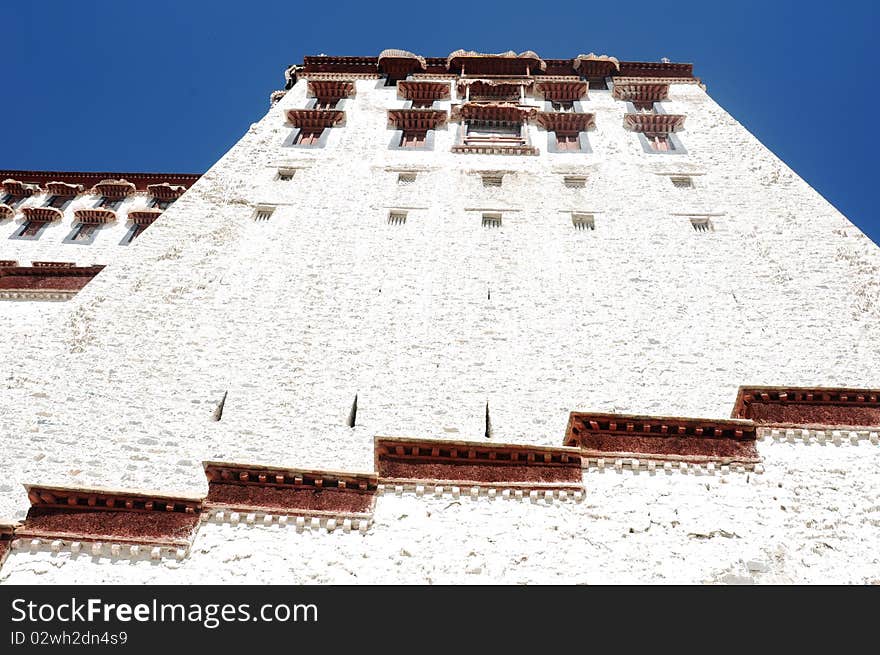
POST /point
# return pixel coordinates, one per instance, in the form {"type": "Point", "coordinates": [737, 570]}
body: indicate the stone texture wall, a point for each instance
{"type": "Point", "coordinates": [428, 321]}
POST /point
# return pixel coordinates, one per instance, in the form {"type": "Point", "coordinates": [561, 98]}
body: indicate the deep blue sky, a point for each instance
{"type": "Point", "coordinates": [169, 85]}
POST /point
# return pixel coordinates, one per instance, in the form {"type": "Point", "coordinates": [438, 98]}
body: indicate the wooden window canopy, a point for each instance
{"type": "Point", "coordinates": [20, 189]}
{"type": "Point", "coordinates": [416, 119]}
{"type": "Point", "coordinates": [654, 123]}
{"type": "Point", "coordinates": [663, 438]}
{"type": "Point", "coordinates": [95, 216]}
{"type": "Point", "coordinates": [565, 123]}
{"type": "Point", "coordinates": [146, 216]}
{"type": "Point", "coordinates": [42, 214]}
{"type": "Point", "coordinates": [468, 62]}
{"type": "Point", "coordinates": [501, 111]}
{"type": "Point", "coordinates": [328, 90]}
{"type": "Point", "coordinates": [266, 490]}
{"type": "Point", "coordinates": [315, 119]}
{"type": "Point", "coordinates": [114, 189]}
{"type": "Point", "coordinates": [166, 191]}
{"type": "Point", "coordinates": [406, 462]}
{"type": "Point", "coordinates": [64, 189]}
{"type": "Point", "coordinates": [640, 92]}
{"type": "Point", "coordinates": [6, 211]}
{"type": "Point", "coordinates": [802, 406]}
{"type": "Point", "coordinates": [593, 65]}
{"type": "Point", "coordinates": [563, 91]}
{"type": "Point", "coordinates": [423, 90]}
{"type": "Point", "coordinates": [72, 516]}
{"type": "Point", "coordinates": [397, 64]}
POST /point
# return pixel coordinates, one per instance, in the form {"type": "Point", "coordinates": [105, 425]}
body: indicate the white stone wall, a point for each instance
{"type": "Point", "coordinates": [296, 315]}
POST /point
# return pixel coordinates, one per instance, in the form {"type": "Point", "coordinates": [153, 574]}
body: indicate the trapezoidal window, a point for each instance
{"type": "Point", "coordinates": [701, 224]}
{"type": "Point", "coordinates": [682, 182]}
{"type": "Point", "coordinates": [574, 181]}
{"type": "Point", "coordinates": [30, 230]}
{"type": "Point", "coordinates": [583, 221]}
{"type": "Point", "coordinates": [396, 217]}
{"type": "Point", "coordinates": [659, 142]}
{"type": "Point", "coordinates": [644, 107]}
{"type": "Point", "coordinates": [285, 174]}
{"type": "Point", "coordinates": [414, 139]}
{"type": "Point", "coordinates": [491, 219]}
{"type": "Point", "coordinates": [308, 137]}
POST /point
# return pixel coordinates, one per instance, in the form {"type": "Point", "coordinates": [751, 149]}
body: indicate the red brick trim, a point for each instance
{"type": "Point", "coordinates": [117, 517]}
{"type": "Point", "coordinates": [662, 438]}
{"type": "Point", "coordinates": [655, 69]}
{"type": "Point", "coordinates": [405, 461]}
{"type": "Point", "coordinates": [251, 488]}
{"type": "Point", "coordinates": [499, 111]}
{"type": "Point", "coordinates": [808, 406]}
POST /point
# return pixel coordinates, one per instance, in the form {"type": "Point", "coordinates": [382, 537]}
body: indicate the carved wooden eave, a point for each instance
{"type": "Point", "coordinates": [468, 62]}
{"type": "Point", "coordinates": [808, 406]}
{"type": "Point", "coordinates": [340, 76]}
{"type": "Point", "coordinates": [114, 189]}
{"type": "Point", "coordinates": [64, 189]}
{"type": "Point", "coordinates": [145, 216]}
{"type": "Point", "coordinates": [653, 123]}
{"type": "Point", "coordinates": [327, 499]}
{"type": "Point", "coordinates": [325, 64]}
{"type": "Point", "coordinates": [6, 263]}
{"type": "Point", "coordinates": [434, 76]}
{"type": "Point", "coordinates": [608, 437]}
{"type": "Point", "coordinates": [166, 191]}
{"type": "Point", "coordinates": [408, 463]}
{"type": "Point", "coordinates": [416, 119]}
{"type": "Point", "coordinates": [564, 122]}
{"type": "Point", "coordinates": [567, 91]}
{"type": "Point", "coordinates": [42, 214]}
{"type": "Point", "coordinates": [423, 90]}
{"type": "Point", "coordinates": [6, 211]}
{"type": "Point", "coordinates": [130, 523]}
{"type": "Point", "coordinates": [20, 189]}
{"type": "Point", "coordinates": [593, 65]}
{"type": "Point", "coordinates": [95, 215]}
{"type": "Point", "coordinates": [315, 118]}
{"type": "Point", "coordinates": [498, 111]}
{"type": "Point", "coordinates": [655, 69]}
{"type": "Point", "coordinates": [400, 63]}
{"type": "Point", "coordinates": [45, 280]}
{"type": "Point", "coordinates": [331, 89]}
{"type": "Point", "coordinates": [640, 92]}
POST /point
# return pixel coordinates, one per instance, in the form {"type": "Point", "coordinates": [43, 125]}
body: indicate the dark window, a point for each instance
{"type": "Point", "coordinates": [133, 233]}
{"type": "Point", "coordinates": [57, 202]}
{"type": "Point", "coordinates": [567, 142]}
{"type": "Point", "coordinates": [159, 203]}
{"type": "Point", "coordinates": [422, 103]}
{"type": "Point", "coordinates": [326, 103]}
{"type": "Point", "coordinates": [30, 229]}
{"type": "Point", "coordinates": [110, 203]}
{"type": "Point", "coordinates": [644, 107]}
{"type": "Point", "coordinates": [84, 232]}
{"type": "Point", "coordinates": [308, 137]}
{"type": "Point", "coordinates": [562, 105]}
{"type": "Point", "coordinates": [660, 142]}
{"type": "Point", "coordinates": [12, 200]}
{"type": "Point", "coordinates": [598, 83]}
{"type": "Point", "coordinates": [413, 139]}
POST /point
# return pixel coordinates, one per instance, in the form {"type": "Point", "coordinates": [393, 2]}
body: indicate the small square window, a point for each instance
{"type": "Point", "coordinates": [583, 221]}
{"type": "Point", "coordinates": [413, 139]}
{"type": "Point", "coordinates": [701, 224]}
{"type": "Point", "coordinates": [285, 174]}
{"type": "Point", "coordinates": [396, 217]}
{"type": "Point", "coordinates": [493, 180]}
{"type": "Point", "coordinates": [263, 213]}
{"type": "Point", "coordinates": [682, 182]}
{"type": "Point", "coordinates": [574, 181]}
{"type": "Point", "coordinates": [308, 137]}
{"type": "Point", "coordinates": [405, 179]}
{"type": "Point", "coordinates": [492, 219]}
{"type": "Point", "coordinates": [562, 105]}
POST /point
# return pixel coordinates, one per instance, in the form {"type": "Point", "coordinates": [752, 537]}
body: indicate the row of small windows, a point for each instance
{"type": "Point", "coordinates": [490, 180]}
{"type": "Point", "coordinates": [580, 221]}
